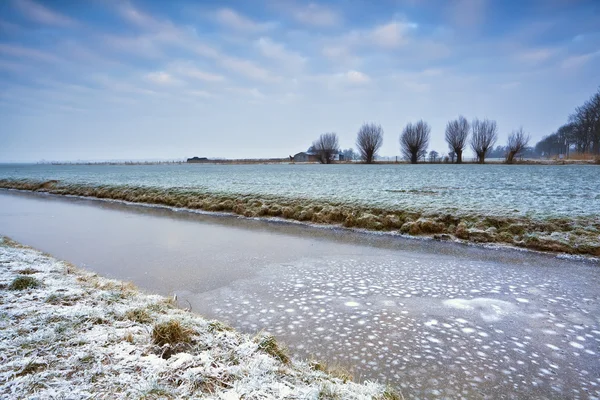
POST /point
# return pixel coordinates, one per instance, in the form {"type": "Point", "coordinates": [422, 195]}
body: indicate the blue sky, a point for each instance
{"type": "Point", "coordinates": [104, 79]}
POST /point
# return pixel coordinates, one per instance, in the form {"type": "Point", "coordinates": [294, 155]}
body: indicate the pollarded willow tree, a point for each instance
{"type": "Point", "coordinates": [327, 146]}
{"type": "Point", "coordinates": [485, 135]}
{"type": "Point", "coordinates": [414, 141]}
{"type": "Point", "coordinates": [369, 141]}
{"type": "Point", "coordinates": [517, 142]}
{"type": "Point", "coordinates": [457, 135]}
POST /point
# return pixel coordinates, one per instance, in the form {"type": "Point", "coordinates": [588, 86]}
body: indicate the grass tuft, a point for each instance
{"type": "Point", "coordinates": [390, 394]}
{"type": "Point", "coordinates": [139, 315]}
{"type": "Point", "coordinates": [31, 368]}
{"type": "Point", "coordinates": [171, 333]}
{"type": "Point", "coordinates": [23, 282]}
{"type": "Point", "coordinates": [269, 345]}
{"type": "Point", "coordinates": [218, 326]}
{"type": "Point", "coordinates": [27, 271]}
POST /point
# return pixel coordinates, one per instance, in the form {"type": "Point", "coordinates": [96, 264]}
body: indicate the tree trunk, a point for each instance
{"type": "Point", "coordinates": [413, 158]}
{"type": "Point", "coordinates": [510, 157]}
{"type": "Point", "coordinates": [458, 156]}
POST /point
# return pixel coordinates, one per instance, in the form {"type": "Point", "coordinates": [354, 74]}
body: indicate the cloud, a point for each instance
{"type": "Point", "coordinates": [579, 61]}
{"type": "Point", "coordinates": [200, 93]}
{"type": "Point", "coordinates": [187, 69]}
{"type": "Point", "coordinates": [390, 35]}
{"type": "Point", "coordinates": [11, 66]}
{"type": "Point", "coordinates": [357, 77]}
{"type": "Point", "coordinates": [25, 52]}
{"type": "Point", "coordinates": [316, 15]}
{"type": "Point", "coordinates": [231, 19]}
{"type": "Point", "coordinates": [41, 14]}
{"type": "Point", "coordinates": [165, 33]}
{"type": "Point", "coordinates": [139, 18]}
{"type": "Point", "coordinates": [250, 92]}
{"type": "Point", "coordinates": [120, 86]}
{"type": "Point", "coordinates": [535, 56]}
{"type": "Point", "coordinates": [279, 53]}
{"type": "Point", "coordinates": [161, 78]}
{"type": "Point", "coordinates": [247, 68]}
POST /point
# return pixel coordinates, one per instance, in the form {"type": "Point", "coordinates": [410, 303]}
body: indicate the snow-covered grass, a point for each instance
{"type": "Point", "coordinates": [573, 235]}
{"type": "Point", "coordinates": [74, 334]}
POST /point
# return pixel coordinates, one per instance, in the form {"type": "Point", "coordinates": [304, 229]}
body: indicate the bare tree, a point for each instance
{"type": "Point", "coordinates": [414, 141]}
{"type": "Point", "coordinates": [326, 147]}
{"type": "Point", "coordinates": [457, 133]}
{"type": "Point", "coordinates": [517, 141]}
{"type": "Point", "coordinates": [452, 156]}
{"type": "Point", "coordinates": [485, 135]}
{"type": "Point", "coordinates": [433, 156]}
{"type": "Point", "coordinates": [369, 141]}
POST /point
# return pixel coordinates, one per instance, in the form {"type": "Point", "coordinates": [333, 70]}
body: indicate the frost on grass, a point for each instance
{"type": "Point", "coordinates": [77, 335]}
{"type": "Point", "coordinates": [573, 235]}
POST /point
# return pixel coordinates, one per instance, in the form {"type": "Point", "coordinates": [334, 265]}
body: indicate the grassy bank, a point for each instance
{"type": "Point", "coordinates": [565, 235]}
{"type": "Point", "coordinates": [66, 333]}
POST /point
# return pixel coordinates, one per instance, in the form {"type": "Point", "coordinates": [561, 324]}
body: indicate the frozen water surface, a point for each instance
{"type": "Point", "coordinates": [438, 320]}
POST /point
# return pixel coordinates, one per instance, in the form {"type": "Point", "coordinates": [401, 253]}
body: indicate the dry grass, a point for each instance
{"type": "Point", "coordinates": [269, 345]}
{"type": "Point", "coordinates": [23, 282]}
{"type": "Point", "coordinates": [336, 371]}
{"type": "Point", "coordinates": [139, 315]}
{"type": "Point", "coordinates": [171, 333]}
{"type": "Point", "coordinates": [27, 271]}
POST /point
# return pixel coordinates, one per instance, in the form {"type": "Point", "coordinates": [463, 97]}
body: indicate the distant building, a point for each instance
{"type": "Point", "coordinates": [306, 157]}
{"type": "Point", "coordinates": [197, 159]}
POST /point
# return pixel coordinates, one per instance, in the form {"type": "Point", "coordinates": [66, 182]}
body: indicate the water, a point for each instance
{"type": "Point", "coordinates": [536, 191]}
{"type": "Point", "coordinates": [436, 319]}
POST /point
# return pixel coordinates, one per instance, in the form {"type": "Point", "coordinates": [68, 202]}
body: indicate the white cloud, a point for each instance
{"type": "Point", "coordinates": [317, 15]}
{"type": "Point", "coordinates": [144, 45]}
{"type": "Point", "coordinates": [139, 18]}
{"type": "Point", "coordinates": [357, 77]}
{"type": "Point", "coordinates": [238, 22]}
{"type": "Point", "coordinates": [12, 66]}
{"type": "Point", "coordinates": [39, 13]}
{"type": "Point", "coordinates": [578, 61]}
{"type": "Point", "coordinates": [247, 68]}
{"type": "Point", "coordinates": [278, 52]}
{"type": "Point", "coordinates": [189, 70]}
{"type": "Point", "coordinates": [25, 52]}
{"type": "Point", "coordinates": [200, 93]}
{"type": "Point", "coordinates": [250, 92]}
{"type": "Point", "coordinates": [391, 35]}
{"type": "Point", "coordinates": [167, 34]}
{"type": "Point", "coordinates": [120, 86]}
{"type": "Point", "coordinates": [535, 56]}
{"type": "Point", "coordinates": [161, 78]}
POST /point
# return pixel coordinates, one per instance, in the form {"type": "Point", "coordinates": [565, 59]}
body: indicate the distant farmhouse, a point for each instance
{"type": "Point", "coordinates": [197, 159]}
{"type": "Point", "coordinates": [309, 156]}
{"type": "Point", "coordinates": [305, 156]}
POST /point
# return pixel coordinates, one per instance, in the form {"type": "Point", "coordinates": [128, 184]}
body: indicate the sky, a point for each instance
{"type": "Point", "coordinates": [133, 80]}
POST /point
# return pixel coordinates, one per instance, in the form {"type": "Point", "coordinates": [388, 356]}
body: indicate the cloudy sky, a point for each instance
{"type": "Point", "coordinates": [104, 79]}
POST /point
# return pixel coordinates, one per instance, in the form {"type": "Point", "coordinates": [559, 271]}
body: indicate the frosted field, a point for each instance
{"type": "Point", "coordinates": [520, 190]}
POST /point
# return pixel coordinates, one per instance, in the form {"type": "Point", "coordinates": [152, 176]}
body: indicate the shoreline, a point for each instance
{"type": "Point", "coordinates": [86, 336]}
{"type": "Point", "coordinates": [590, 160]}
{"type": "Point", "coordinates": [575, 236]}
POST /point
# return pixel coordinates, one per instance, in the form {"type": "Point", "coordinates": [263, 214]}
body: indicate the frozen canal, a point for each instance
{"type": "Point", "coordinates": [434, 319]}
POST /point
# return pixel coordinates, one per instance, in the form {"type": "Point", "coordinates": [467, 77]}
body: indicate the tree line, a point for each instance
{"type": "Point", "coordinates": [581, 133]}
{"type": "Point", "coordinates": [415, 137]}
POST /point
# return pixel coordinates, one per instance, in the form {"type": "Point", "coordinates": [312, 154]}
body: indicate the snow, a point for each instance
{"type": "Point", "coordinates": [71, 338]}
